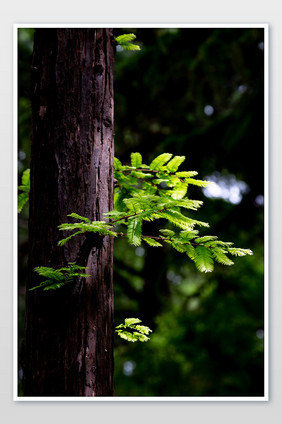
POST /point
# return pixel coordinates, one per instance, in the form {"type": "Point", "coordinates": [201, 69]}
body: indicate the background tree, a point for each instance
{"type": "Point", "coordinates": [199, 93]}
{"type": "Point", "coordinates": [68, 348]}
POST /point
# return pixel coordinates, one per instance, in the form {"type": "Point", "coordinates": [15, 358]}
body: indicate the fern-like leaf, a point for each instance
{"type": "Point", "coordinates": [51, 273]}
{"type": "Point", "coordinates": [26, 178]}
{"type": "Point", "coordinates": [100, 227]}
{"type": "Point", "coordinates": [152, 242]}
{"type": "Point", "coordinates": [143, 329]}
{"type": "Point", "coordinates": [117, 164]}
{"type": "Point", "coordinates": [179, 246]}
{"type": "Point", "coordinates": [65, 240]}
{"type": "Point", "coordinates": [82, 218]}
{"type": "Point", "coordinates": [131, 331]}
{"type": "Point", "coordinates": [174, 163]}
{"type": "Point", "coordinates": [205, 239]}
{"type": "Point", "coordinates": [134, 231]}
{"type": "Point", "coordinates": [191, 251]}
{"type": "Point", "coordinates": [166, 232]}
{"type": "Point", "coordinates": [131, 321]}
{"type": "Point", "coordinates": [160, 160]}
{"type": "Point", "coordinates": [179, 191]}
{"type": "Point", "coordinates": [180, 220]}
{"type": "Point", "coordinates": [125, 38]}
{"type": "Point", "coordinates": [186, 236]}
{"type": "Point", "coordinates": [186, 174]}
{"type": "Point", "coordinates": [119, 198]}
{"type": "Point", "coordinates": [220, 256]}
{"type": "Point", "coordinates": [124, 41]}
{"type": "Point", "coordinates": [22, 200]}
{"type": "Point", "coordinates": [57, 278]}
{"type": "Point", "coordinates": [136, 160]}
{"type": "Point", "coordinates": [199, 183]}
{"type": "Point", "coordinates": [203, 259]}
{"type": "Point", "coordinates": [239, 252]}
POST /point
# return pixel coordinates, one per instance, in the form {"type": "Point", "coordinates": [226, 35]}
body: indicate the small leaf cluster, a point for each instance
{"type": "Point", "coordinates": [84, 226]}
{"type": "Point", "coordinates": [25, 188]}
{"type": "Point", "coordinates": [132, 331]}
{"type": "Point", "coordinates": [124, 41]}
{"type": "Point", "coordinates": [57, 278]}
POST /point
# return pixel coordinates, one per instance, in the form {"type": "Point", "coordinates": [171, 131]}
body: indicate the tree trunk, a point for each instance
{"type": "Point", "coordinates": [68, 349]}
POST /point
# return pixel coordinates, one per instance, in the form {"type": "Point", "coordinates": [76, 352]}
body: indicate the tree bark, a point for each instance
{"type": "Point", "coordinates": [68, 348]}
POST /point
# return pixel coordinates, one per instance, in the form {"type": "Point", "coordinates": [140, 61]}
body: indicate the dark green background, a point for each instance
{"type": "Point", "coordinates": [208, 329]}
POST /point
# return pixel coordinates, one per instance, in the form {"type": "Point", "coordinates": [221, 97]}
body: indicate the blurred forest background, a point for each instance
{"type": "Point", "coordinates": [197, 92]}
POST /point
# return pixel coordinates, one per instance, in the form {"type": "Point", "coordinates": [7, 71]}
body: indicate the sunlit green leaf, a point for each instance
{"type": "Point", "coordinates": [152, 242]}
{"type": "Point", "coordinates": [136, 160]}
{"type": "Point", "coordinates": [220, 256]}
{"type": "Point", "coordinates": [22, 200]}
{"type": "Point", "coordinates": [160, 160]}
{"type": "Point", "coordinates": [174, 163]}
{"type": "Point", "coordinates": [124, 41]}
{"type": "Point", "coordinates": [132, 332]}
{"type": "Point", "coordinates": [134, 231]}
{"type": "Point", "coordinates": [203, 259]}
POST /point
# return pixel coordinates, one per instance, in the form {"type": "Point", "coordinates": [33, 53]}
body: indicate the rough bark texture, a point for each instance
{"type": "Point", "coordinates": [68, 348]}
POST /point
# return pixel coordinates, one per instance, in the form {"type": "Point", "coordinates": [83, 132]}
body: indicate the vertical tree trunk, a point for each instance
{"type": "Point", "coordinates": [68, 348]}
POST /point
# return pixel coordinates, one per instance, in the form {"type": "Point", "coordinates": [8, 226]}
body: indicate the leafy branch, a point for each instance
{"type": "Point", "coordinates": [57, 278]}
{"type": "Point", "coordinates": [85, 226]}
{"type": "Point", "coordinates": [145, 193]}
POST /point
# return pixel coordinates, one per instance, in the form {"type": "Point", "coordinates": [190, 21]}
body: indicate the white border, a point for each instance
{"type": "Point", "coordinates": [15, 217]}
{"type": "Point", "coordinates": [266, 212]}
{"type": "Point", "coordinates": [266, 217]}
{"type": "Point", "coordinates": [136, 25]}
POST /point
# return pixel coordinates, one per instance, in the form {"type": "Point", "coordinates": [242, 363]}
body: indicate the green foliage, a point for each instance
{"type": "Point", "coordinates": [132, 331]}
{"type": "Point", "coordinates": [25, 188]}
{"type": "Point", "coordinates": [160, 160]}
{"type": "Point", "coordinates": [124, 41]}
{"type": "Point", "coordinates": [152, 242]}
{"type": "Point", "coordinates": [134, 231]}
{"type": "Point", "coordinates": [136, 160]}
{"type": "Point", "coordinates": [203, 259]}
{"type": "Point", "coordinates": [158, 192]}
{"type": "Point", "coordinates": [85, 225]}
{"type": "Point", "coordinates": [57, 278]}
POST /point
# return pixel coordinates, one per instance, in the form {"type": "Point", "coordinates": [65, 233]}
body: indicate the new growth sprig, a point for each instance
{"type": "Point", "coordinates": [132, 331]}
{"type": "Point", "coordinates": [124, 41]}
{"type": "Point", "coordinates": [146, 193]}
{"type": "Point", "coordinates": [57, 278]}
{"type": "Point", "coordinates": [85, 226]}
